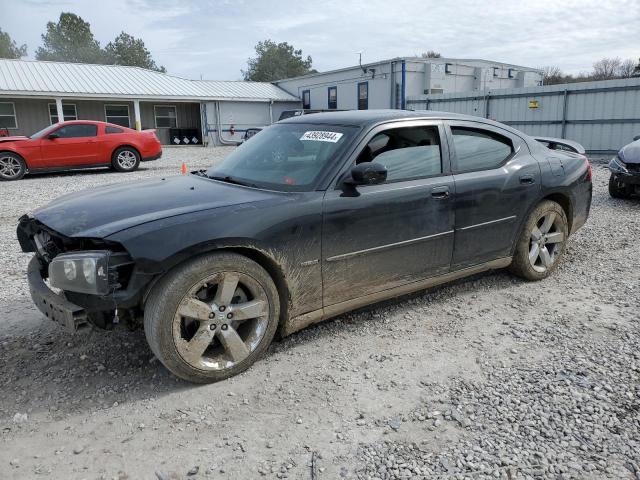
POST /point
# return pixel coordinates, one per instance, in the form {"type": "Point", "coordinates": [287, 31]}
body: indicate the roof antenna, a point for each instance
{"type": "Point", "coordinates": [364, 70]}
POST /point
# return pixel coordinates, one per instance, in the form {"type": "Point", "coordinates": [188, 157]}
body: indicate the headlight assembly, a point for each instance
{"type": "Point", "coordinates": [617, 165]}
{"type": "Point", "coordinates": [84, 272]}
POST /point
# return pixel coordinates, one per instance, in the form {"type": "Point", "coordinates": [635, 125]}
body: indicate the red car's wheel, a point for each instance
{"type": "Point", "coordinates": [125, 159]}
{"type": "Point", "coordinates": [12, 166]}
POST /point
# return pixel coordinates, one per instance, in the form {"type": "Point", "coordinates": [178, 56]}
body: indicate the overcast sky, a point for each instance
{"type": "Point", "coordinates": [214, 38]}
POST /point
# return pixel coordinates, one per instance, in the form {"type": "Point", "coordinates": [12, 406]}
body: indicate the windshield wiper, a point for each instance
{"type": "Point", "coordinates": [229, 179]}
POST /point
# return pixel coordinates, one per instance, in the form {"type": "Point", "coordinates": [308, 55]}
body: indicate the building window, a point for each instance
{"type": "Point", "coordinates": [306, 99]}
{"type": "Point", "coordinates": [447, 68]}
{"type": "Point", "coordinates": [332, 100]}
{"type": "Point", "coordinates": [68, 110]}
{"type": "Point", "coordinates": [117, 114]}
{"type": "Point", "coordinates": [363, 96]}
{"type": "Point", "coordinates": [511, 74]}
{"type": "Point", "coordinates": [8, 115]}
{"type": "Point", "coordinates": [495, 71]}
{"type": "Point", "coordinates": [166, 116]}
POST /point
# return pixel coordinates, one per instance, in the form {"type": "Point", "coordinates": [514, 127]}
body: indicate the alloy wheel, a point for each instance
{"type": "Point", "coordinates": [546, 242]}
{"type": "Point", "coordinates": [9, 167]}
{"type": "Point", "coordinates": [126, 159]}
{"type": "Point", "coordinates": [221, 321]}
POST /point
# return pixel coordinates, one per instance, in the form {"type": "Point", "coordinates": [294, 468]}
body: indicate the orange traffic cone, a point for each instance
{"type": "Point", "coordinates": [183, 169]}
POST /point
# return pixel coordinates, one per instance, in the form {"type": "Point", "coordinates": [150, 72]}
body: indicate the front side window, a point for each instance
{"type": "Point", "coordinates": [478, 149]}
{"type": "Point", "coordinates": [363, 96]}
{"type": "Point", "coordinates": [288, 157]}
{"type": "Point", "coordinates": [77, 131]}
{"type": "Point", "coordinates": [332, 102]}
{"type": "Point", "coordinates": [408, 153]}
{"type": "Point", "coordinates": [306, 99]}
{"type": "Point", "coordinates": [8, 115]}
{"type": "Point", "coordinates": [117, 114]}
{"type": "Point", "coordinates": [166, 116]}
{"type": "Point", "coordinates": [68, 110]}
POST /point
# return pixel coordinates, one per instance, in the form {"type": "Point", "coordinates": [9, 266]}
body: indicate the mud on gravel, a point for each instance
{"type": "Point", "coordinates": [490, 377]}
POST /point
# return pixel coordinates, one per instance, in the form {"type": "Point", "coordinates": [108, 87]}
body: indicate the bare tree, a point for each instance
{"type": "Point", "coordinates": [606, 69]}
{"type": "Point", "coordinates": [552, 75]}
{"type": "Point", "coordinates": [627, 68]}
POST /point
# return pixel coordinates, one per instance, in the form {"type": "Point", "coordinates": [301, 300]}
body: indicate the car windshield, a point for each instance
{"type": "Point", "coordinates": [44, 131]}
{"type": "Point", "coordinates": [287, 157]}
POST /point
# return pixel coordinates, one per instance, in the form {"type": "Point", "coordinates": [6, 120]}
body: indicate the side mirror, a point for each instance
{"type": "Point", "coordinates": [637, 137]}
{"type": "Point", "coordinates": [368, 173]}
{"type": "Point", "coordinates": [53, 136]}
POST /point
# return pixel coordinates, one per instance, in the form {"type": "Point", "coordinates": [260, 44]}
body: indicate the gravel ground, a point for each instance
{"type": "Point", "coordinates": [490, 377]}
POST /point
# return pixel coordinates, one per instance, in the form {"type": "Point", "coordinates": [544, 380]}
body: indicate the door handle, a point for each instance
{"type": "Point", "coordinates": [440, 192]}
{"type": "Point", "coordinates": [527, 179]}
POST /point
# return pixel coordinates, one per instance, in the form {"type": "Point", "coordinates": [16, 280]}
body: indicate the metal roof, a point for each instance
{"type": "Point", "coordinates": [35, 78]}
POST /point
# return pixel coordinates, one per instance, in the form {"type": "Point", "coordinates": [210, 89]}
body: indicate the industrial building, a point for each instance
{"type": "Point", "coordinates": [36, 94]}
{"type": "Point", "coordinates": [389, 83]}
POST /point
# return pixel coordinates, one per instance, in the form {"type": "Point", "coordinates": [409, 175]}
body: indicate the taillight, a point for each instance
{"type": "Point", "coordinates": [589, 170]}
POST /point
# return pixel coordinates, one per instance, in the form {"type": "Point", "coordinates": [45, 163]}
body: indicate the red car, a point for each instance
{"type": "Point", "coordinates": [77, 144]}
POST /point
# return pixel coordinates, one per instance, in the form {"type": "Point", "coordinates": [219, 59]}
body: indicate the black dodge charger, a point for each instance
{"type": "Point", "coordinates": [315, 216]}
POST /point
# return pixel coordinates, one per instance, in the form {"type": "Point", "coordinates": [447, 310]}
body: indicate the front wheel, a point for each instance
{"type": "Point", "coordinates": [12, 166]}
{"type": "Point", "coordinates": [541, 243]}
{"type": "Point", "coordinates": [617, 189]}
{"type": "Point", "coordinates": [125, 159]}
{"type": "Point", "coordinates": [212, 317]}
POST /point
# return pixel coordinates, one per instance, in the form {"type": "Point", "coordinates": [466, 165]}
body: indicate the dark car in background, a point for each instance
{"type": "Point", "coordinates": [315, 216]}
{"type": "Point", "coordinates": [625, 171]}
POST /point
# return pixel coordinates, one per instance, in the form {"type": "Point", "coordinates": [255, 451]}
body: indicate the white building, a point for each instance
{"type": "Point", "coordinates": [390, 83]}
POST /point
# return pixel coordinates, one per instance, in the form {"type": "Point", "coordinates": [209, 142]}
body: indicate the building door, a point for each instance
{"type": "Point", "coordinates": [363, 96]}
{"type": "Point", "coordinates": [306, 99]}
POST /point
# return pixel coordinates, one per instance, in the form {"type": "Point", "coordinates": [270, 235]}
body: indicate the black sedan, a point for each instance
{"type": "Point", "coordinates": [315, 216]}
{"type": "Point", "coordinates": [625, 171]}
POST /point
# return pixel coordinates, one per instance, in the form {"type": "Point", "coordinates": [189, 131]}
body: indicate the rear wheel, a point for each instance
{"type": "Point", "coordinates": [541, 243]}
{"type": "Point", "coordinates": [212, 317]}
{"type": "Point", "coordinates": [618, 189]}
{"type": "Point", "coordinates": [12, 166]}
{"type": "Point", "coordinates": [125, 159]}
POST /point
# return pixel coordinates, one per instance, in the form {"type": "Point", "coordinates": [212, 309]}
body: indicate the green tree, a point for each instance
{"type": "Point", "coordinates": [128, 50]}
{"type": "Point", "coordinates": [9, 49]}
{"type": "Point", "coordinates": [70, 40]}
{"type": "Point", "coordinates": [431, 54]}
{"type": "Point", "coordinates": [274, 61]}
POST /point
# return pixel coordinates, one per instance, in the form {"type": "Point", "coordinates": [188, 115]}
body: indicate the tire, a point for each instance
{"type": "Point", "coordinates": [179, 324]}
{"type": "Point", "coordinates": [616, 189]}
{"type": "Point", "coordinates": [542, 242]}
{"type": "Point", "coordinates": [12, 166]}
{"type": "Point", "coordinates": [125, 159]}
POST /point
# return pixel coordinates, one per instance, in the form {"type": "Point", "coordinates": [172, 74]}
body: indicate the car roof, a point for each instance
{"type": "Point", "coordinates": [372, 117]}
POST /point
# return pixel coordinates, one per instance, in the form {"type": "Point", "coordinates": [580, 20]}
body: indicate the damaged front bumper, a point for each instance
{"type": "Point", "coordinates": [54, 306]}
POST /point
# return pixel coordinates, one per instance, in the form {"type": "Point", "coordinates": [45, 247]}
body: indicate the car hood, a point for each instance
{"type": "Point", "coordinates": [13, 139]}
{"type": "Point", "coordinates": [103, 211]}
{"type": "Point", "coordinates": [630, 153]}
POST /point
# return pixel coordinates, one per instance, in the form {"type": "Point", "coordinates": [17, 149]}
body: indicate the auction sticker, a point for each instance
{"type": "Point", "coordinates": [320, 136]}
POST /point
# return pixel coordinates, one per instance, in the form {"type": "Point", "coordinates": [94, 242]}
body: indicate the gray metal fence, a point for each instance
{"type": "Point", "coordinates": [603, 116]}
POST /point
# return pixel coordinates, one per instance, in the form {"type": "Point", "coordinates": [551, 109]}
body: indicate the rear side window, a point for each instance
{"type": "Point", "coordinates": [110, 129]}
{"type": "Point", "coordinates": [77, 130]}
{"type": "Point", "coordinates": [408, 153]}
{"type": "Point", "coordinates": [478, 149]}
